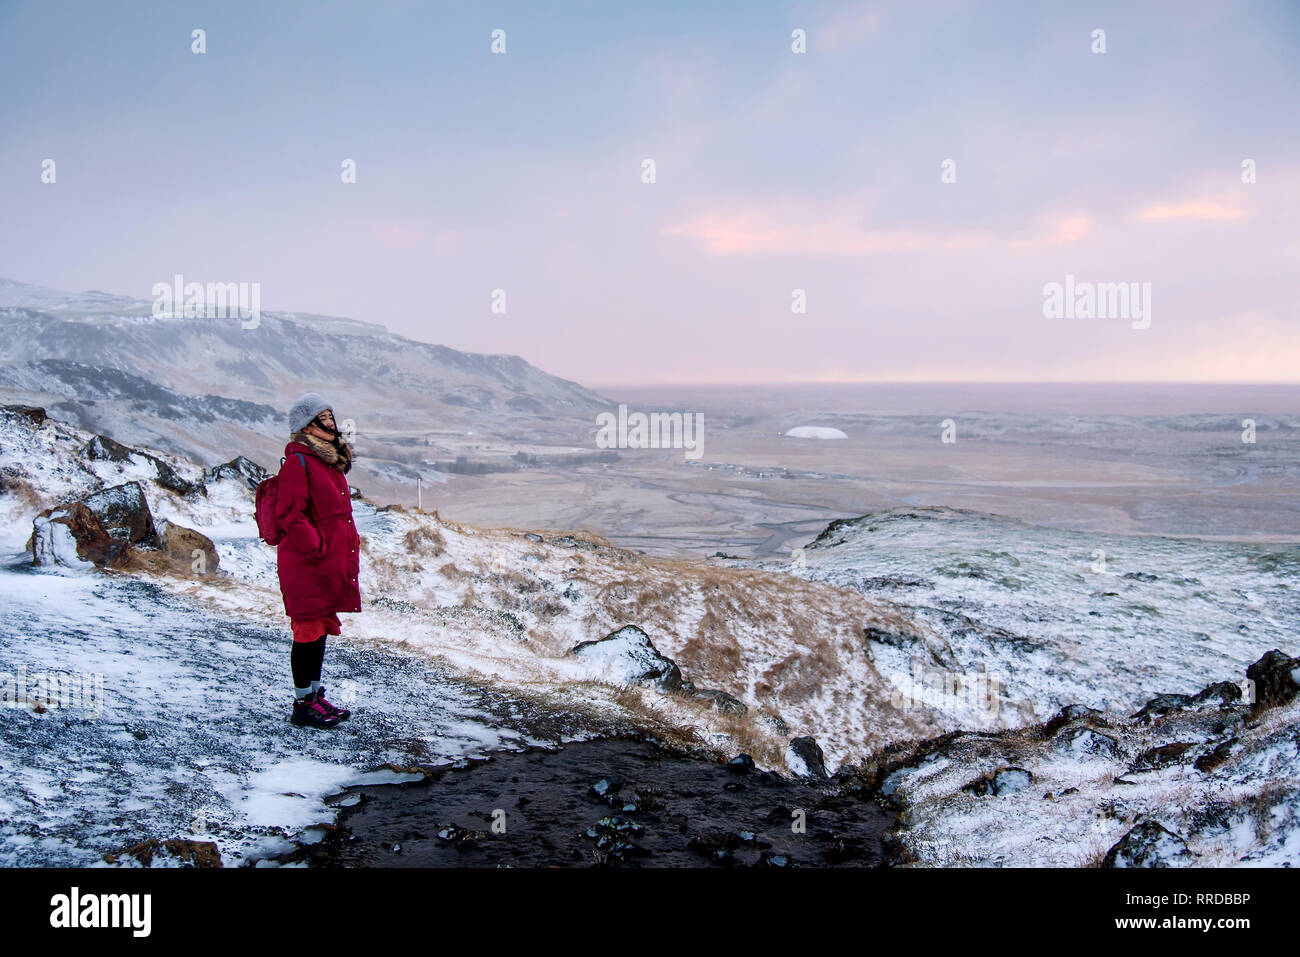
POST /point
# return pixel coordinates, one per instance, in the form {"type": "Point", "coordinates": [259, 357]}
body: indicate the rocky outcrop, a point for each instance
{"type": "Point", "coordinates": [1148, 844]}
{"type": "Point", "coordinates": [1217, 695]}
{"type": "Point", "coordinates": [124, 513]}
{"type": "Point", "coordinates": [185, 547]}
{"type": "Point", "coordinates": [1081, 742]}
{"type": "Point", "coordinates": [1163, 756]}
{"type": "Point", "coordinates": [630, 656]}
{"type": "Point", "coordinates": [1068, 715]}
{"type": "Point", "coordinates": [72, 535]}
{"type": "Point", "coordinates": [102, 530]}
{"type": "Point", "coordinates": [240, 468]}
{"type": "Point", "coordinates": [32, 413]}
{"type": "Point", "coordinates": [804, 758]}
{"type": "Point", "coordinates": [1000, 782]}
{"type": "Point", "coordinates": [102, 448]}
{"type": "Point", "coordinates": [1277, 680]}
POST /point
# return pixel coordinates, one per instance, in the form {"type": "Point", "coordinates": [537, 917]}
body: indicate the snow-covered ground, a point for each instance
{"type": "Point", "coordinates": [466, 645]}
{"type": "Point", "coordinates": [1044, 618]}
{"type": "Point", "coordinates": [191, 720]}
{"type": "Point", "coordinates": [182, 730]}
{"type": "Point", "coordinates": [1019, 622]}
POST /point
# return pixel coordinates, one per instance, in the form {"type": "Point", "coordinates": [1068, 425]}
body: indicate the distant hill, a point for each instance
{"type": "Point", "coordinates": [209, 387]}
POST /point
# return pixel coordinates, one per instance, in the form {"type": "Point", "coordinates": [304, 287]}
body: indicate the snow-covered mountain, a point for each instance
{"type": "Point", "coordinates": [210, 388]}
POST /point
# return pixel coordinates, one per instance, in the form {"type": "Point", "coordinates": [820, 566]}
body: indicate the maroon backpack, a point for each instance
{"type": "Point", "coordinates": [266, 505]}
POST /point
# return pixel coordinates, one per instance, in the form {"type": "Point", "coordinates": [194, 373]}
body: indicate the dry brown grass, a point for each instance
{"type": "Point", "coordinates": [389, 575]}
{"type": "Point", "coordinates": [425, 541]}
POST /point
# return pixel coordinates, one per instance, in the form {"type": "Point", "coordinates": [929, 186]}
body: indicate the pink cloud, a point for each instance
{"type": "Point", "coordinates": [797, 228]}
{"type": "Point", "coordinates": [1071, 229]}
{"type": "Point", "coordinates": [1194, 209]}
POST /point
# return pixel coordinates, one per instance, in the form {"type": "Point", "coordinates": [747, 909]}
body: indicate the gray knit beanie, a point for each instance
{"type": "Point", "coordinates": [305, 409]}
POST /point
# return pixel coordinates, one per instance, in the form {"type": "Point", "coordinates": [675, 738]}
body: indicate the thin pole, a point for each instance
{"type": "Point", "coordinates": [419, 497]}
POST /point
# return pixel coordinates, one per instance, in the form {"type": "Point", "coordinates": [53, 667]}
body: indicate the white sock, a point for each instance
{"type": "Point", "coordinates": [315, 686]}
{"type": "Point", "coordinates": [301, 693]}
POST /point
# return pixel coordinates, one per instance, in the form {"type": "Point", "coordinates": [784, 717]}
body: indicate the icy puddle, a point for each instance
{"type": "Point", "coordinates": [131, 714]}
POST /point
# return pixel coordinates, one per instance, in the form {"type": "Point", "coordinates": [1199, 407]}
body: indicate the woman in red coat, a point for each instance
{"type": "Point", "coordinates": [318, 557]}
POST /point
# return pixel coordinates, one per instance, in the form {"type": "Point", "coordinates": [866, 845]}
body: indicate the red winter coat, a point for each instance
{"type": "Point", "coordinates": [318, 557]}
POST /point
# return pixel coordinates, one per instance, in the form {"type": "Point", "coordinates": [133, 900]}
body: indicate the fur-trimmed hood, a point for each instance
{"type": "Point", "coordinates": [336, 454]}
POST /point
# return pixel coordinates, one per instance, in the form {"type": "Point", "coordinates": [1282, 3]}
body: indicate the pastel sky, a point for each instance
{"type": "Point", "coordinates": [775, 171]}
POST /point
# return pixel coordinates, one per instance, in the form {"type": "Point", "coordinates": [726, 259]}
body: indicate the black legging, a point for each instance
{"type": "Point", "coordinates": [306, 659]}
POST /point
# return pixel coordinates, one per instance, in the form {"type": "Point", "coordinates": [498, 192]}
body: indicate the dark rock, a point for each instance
{"type": "Point", "coordinates": [893, 583]}
{"type": "Point", "coordinates": [101, 447]}
{"type": "Point", "coordinates": [32, 413]}
{"type": "Point", "coordinates": [1276, 678]}
{"type": "Point", "coordinates": [1140, 576]}
{"type": "Point", "coordinates": [1222, 694]}
{"type": "Point", "coordinates": [1148, 845]}
{"type": "Point", "coordinates": [892, 775]}
{"type": "Point", "coordinates": [1212, 759]}
{"type": "Point", "coordinates": [895, 639]}
{"type": "Point", "coordinates": [1003, 781]}
{"type": "Point", "coordinates": [1068, 714]}
{"type": "Point", "coordinates": [1153, 759]}
{"type": "Point", "coordinates": [741, 764]}
{"type": "Point", "coordinates": [776, 723]}
{"type": "Point", "coordinates": [804, 758]}
{"type": "Point", "coordinates": [75, 524]}
{"type": "Point", "coordinates": [240, 468]}
{"type": "Point", "coordinates": [167, 477]}
{"type": "Point", "coordinates": [615, 840]}
{"type": "Point", "coordinates": [610, 792]}
{"type": "Point", "coordinates": [124, 513]}
{"type": "Point", "coordinates": [1161, 705]}
{"type": "Point", "coordinates": [632, 657]}
{"type": "Point", "coordinates": [1085, 742]}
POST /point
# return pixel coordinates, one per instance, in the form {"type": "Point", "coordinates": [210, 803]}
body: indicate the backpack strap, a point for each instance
{"type": "Point", "coordinates": [306, 475]}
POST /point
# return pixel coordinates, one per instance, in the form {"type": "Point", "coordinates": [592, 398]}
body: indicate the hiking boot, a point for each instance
{"type": "Point", "coordinates": [341, 713]}
{"type": "Point", "coordinates": [309, 713]}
